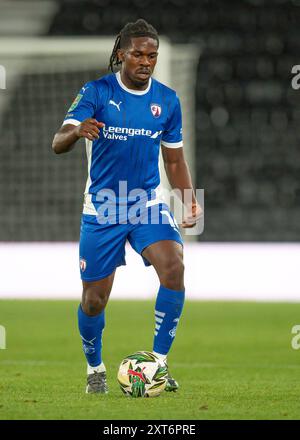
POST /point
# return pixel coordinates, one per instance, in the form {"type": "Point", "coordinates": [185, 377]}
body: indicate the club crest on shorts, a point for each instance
{"type": "Point", "coordinates": [82, 263]}
{"type": "Point", "coordinates": [156, 110]}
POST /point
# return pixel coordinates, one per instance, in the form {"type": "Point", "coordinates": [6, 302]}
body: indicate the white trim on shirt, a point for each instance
{"type": "Point", "coordinates": [72, 121]}
{"type": "Point", "coordinates": [172, 144]}
{"type": "Point", "coordinates": [134, 92]}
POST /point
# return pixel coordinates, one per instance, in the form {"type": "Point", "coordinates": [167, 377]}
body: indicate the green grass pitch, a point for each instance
{"type": "Point", "coordinates": [233, 360]}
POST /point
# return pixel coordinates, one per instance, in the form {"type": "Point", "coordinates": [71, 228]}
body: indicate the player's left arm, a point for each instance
{"type": "Point", "coordinates": [179, 177]}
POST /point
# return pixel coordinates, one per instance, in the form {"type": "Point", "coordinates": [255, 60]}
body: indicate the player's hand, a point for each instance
{"type": "Point", "coordinates": [194, 213]}
{"type": "Point", "coordinates": [89, 129]}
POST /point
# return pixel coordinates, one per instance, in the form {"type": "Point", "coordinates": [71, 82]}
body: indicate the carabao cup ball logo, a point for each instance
{"type": "Point", "coordinates": [156, 110]}
{"type": "Point", "coordinates": [82, 264]}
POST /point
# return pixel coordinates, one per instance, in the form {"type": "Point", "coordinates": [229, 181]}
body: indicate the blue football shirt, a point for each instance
{"type": "Point", "coordinates": [136, 123]}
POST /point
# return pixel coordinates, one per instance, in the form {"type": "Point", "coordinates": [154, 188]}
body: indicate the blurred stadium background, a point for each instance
{"type": "Point", "coordinates": [231, 66]}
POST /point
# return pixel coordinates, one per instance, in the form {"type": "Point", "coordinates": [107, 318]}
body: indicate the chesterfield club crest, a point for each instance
{"type": "Point", "coordinates": [156, 110]}
{"type": "Point", "coordinates": [82, 263]}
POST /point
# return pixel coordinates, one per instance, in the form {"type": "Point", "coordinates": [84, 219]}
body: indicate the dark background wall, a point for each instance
{"type": "Point", "coordinates": [248, 120]}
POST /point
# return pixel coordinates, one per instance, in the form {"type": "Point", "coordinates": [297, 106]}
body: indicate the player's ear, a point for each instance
{"type": "Point", "coordinates": [121, 55]}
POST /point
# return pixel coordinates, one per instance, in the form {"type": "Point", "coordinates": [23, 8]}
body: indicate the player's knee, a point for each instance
{"type": "Point", "coordinates": [93, 302]}
{"type": "Point", "coordinates": [172, 275]}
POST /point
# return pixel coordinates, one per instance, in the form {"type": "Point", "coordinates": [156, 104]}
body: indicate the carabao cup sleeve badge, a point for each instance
{"type": "Point", "coordinates": [75, 102]}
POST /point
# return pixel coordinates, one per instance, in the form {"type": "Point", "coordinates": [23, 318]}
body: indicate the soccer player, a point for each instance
{"type": "Point", "coordinates": [124, 118]}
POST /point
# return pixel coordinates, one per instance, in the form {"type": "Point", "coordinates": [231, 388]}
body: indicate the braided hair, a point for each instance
{"type": "Point", "coordinates": [131, 30]}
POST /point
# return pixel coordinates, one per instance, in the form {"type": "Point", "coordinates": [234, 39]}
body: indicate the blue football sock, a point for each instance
{"type": "Point", "coordinates": [91, 328]}
{"type": "Point", "coordinates": [168, 308]}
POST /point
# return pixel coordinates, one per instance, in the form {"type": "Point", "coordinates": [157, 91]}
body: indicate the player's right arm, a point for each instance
{"type": "Point", "coordinates": [67, 136]}
{"type": "Point", "coordinates": [80, 120]}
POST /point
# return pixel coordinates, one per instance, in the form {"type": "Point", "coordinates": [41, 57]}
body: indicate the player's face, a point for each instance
{"type": "Point", "coordinates": [138, 62]}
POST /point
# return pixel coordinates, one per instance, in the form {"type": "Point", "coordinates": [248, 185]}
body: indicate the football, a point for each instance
{"type": "Point", "coordinates": [142, 374]}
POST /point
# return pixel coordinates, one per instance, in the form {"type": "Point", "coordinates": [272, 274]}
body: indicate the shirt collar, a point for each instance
{"type": "Point", "coordinates": [134, 92]}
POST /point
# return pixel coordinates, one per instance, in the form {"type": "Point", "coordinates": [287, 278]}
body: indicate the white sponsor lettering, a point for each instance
{"type": "Point", "coordinates": [122, 133]}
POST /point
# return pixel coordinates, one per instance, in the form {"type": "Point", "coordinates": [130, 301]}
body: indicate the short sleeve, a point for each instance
{"type": "Point", "coordinates": [172, 136]}
{"type": "Point", "coordinates": [83, 107]}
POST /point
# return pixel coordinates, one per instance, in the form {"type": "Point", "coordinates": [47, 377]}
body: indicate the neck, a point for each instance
{"type": "Point", "coordinates": [131, 84]}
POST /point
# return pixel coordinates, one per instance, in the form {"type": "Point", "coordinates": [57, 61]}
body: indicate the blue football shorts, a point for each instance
{"type": "Point", "coordinates": [102, 247]}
